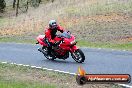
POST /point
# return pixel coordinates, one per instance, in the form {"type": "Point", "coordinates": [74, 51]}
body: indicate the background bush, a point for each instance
{"type": "Point", "coordinates": [2, 5]}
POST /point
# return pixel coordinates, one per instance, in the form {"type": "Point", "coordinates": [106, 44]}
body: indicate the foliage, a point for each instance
{"type": "Point", "coordinates": [2, 5]}
{"type": "Point", "coordinates": [35, 3]}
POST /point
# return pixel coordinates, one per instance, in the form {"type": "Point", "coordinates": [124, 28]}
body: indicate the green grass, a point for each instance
{"type": "Point", "coordinates": [3, 21]}
{"type": "Point", "coordinates": [14, 76]}
{"type": "Point", "coordinates": [17, 40]}
{"type": "Point", "coordinates": [20, 84]}
{"type": "Point", "coordinates": [23, 70]}
{"type": "Point", "coordinates": [81, 43]}
{"type": "Point", "coordinates": [126, 46]}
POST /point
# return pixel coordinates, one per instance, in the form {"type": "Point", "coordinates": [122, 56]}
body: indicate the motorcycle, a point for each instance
{"type": "Point", "coordinates": [65, 44]}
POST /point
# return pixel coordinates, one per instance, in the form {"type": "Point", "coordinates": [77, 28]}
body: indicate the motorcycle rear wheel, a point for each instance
{"type": "Point", "coordinates": [78, 56]}
{"type": "Point", "coordinates": [49, 57]}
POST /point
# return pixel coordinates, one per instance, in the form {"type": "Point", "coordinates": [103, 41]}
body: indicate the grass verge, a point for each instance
{"type": "Point", "coordinates": [20, 84]}
{"type": "Point", "coordinates": [81, 43]}
{"type": "Point", "coordinates": [17, 40]}
{"type": "Point", "coordinates": [126, 46]}
{"type": "Point", "coordinates": [14, 76]}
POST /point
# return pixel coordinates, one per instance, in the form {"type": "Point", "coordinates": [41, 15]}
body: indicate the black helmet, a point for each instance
{"type": "Point", "coordinates": [52, 24]}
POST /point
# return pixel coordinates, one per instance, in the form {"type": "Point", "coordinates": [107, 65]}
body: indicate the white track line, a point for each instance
{"type": "Point", "coordinates": [39, 67]}
{"type": "Point", "coordinates": [33, 66]}
{"type": "Point", "coordinates": [26, 65]}
{"type": "Point", "coordinates": [124, 85]}
{"type": "Point", "coordinates": [20, 64]}
{"type": "Point", "coordinates": [4, 62]}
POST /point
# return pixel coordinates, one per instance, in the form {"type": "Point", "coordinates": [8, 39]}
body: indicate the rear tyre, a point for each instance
{"type": "Point", "coordinates": [78, 56]}
{"type": "Point", "coordinates": [49, 57]}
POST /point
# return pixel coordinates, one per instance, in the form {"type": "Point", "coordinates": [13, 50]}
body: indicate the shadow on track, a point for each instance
{"type": "Point", "coordinates": [61, 61]}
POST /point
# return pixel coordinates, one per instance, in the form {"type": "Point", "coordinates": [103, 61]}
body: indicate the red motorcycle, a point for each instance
{"type": "Point", "coordinates": [66, 43]}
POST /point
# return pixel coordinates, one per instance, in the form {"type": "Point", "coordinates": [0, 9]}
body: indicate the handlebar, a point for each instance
{"type": "Point", "coordinates": [60, 41]}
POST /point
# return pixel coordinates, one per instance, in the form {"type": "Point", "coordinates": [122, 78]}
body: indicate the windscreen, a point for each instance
{"type": "Point", "coordinates": [65, 35]}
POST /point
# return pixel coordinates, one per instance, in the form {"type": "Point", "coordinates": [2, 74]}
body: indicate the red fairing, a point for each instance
{"type": "Point", "coordinates": [40, 39]}
{"type": "Point", "coordinates": [74, 48]}
{"type": "Point", "coordinates": [67, 46]}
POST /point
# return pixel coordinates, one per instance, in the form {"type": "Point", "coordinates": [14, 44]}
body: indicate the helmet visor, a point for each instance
{"type": "Point", "coordinates": [54, 25]}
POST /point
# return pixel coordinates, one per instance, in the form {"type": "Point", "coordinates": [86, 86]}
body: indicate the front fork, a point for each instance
{"type": "Point", "coordinates": [73, 49]}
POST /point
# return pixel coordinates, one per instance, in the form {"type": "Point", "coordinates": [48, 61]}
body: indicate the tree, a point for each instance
{"type": "Point", "coordinates": [14, 3]}
{"type": "Point", "coordinates": [17, 7]}
{"type": "Point", "coordinates": [35, 3]}
{"type": "Point", "coordinates": [40, 1]}
{"type": "Point", "coordinates": [2, 5]}
{"type": "Point", "coordinates": [52, 1]}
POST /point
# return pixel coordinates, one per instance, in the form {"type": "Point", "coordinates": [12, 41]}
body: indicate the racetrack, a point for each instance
{"type": "Point", "coordinates": [97, 60]}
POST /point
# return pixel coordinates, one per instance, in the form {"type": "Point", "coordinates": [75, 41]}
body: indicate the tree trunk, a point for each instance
{"type": "Point", "coordinates": [52, 1]}
{"type": "Point", "coordinates": [40, 1]}
{"type": "Point", "coordinates": [2, 5]}
{"type": "Point", "coordinates": [17, 7]}
{"type": "Point", "coordinates": [14, 3]}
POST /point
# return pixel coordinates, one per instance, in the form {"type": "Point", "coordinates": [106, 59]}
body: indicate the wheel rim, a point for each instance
{"type": "Point", "coordinates": [77, 56]}
{"type": "Point", "coordinates": [45, 50]}
{"type": "Point", "coordinates": [46, 55]}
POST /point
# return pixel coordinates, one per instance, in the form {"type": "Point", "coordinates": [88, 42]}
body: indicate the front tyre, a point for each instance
{"type": "Point", "coordinates": [78, 56]}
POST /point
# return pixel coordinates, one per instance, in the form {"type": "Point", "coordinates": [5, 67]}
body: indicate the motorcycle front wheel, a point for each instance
{"type": "Point", "coordinates": [78, 56]}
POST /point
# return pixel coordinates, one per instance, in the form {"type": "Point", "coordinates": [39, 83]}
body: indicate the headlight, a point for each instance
{"type": "Point", "coordinates": [72, 42]}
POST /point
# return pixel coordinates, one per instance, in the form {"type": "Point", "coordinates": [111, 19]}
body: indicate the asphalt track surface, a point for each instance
{"type": "Point", "coordinates": [98, 61]}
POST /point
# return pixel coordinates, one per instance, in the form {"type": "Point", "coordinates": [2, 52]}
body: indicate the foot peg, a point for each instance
{"type": "Point", "coordinates": [39, 49]}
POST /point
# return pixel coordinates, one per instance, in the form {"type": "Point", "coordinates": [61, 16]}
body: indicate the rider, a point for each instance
{"type": "Point", "coordinates": [50, 34]}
